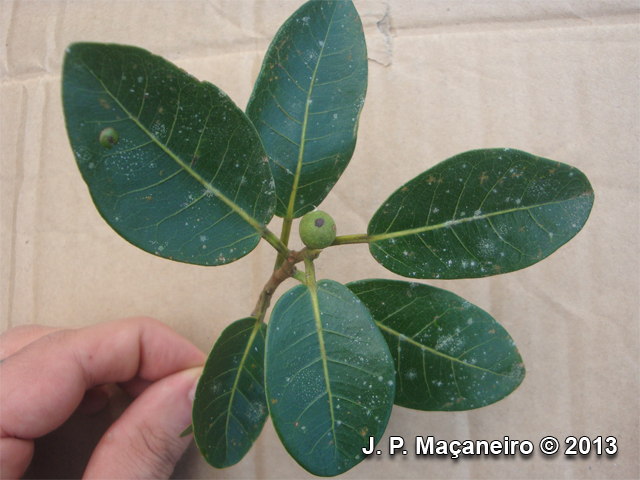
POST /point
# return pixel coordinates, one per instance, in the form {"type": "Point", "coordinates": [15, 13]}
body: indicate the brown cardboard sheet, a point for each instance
{"type": "Point", "coordinates": [557, 79]}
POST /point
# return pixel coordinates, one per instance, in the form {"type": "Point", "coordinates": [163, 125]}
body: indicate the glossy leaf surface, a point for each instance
{"type": "Point", "coordinates": [329, 377]}
{"type": "Point", "coordinates": [449, 355]}
{"type": "Point", "coordinates": [230, 406]}
{"type": "Point", "coordinates": [307, 101]}
{"type": "Point", "coordinates": [185, 177]}
{"type": "Point", "coordinates": [478, 214]}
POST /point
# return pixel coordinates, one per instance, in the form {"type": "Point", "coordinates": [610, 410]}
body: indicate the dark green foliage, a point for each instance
{"type": "Point", "coordinates": [307, 101]}
{"type": "Point", "coordinates": [329, 377]}
{"type": "Point", "coordinates": [187, 179]}
{"type": "Point", "coordinates": [478, 214]}
{"type": "Point", "coordinates": [230, 407]}
{"type": "Point", "coordinates": [177, 169]}
{"type": "Point", "coordinates": [449, 355]}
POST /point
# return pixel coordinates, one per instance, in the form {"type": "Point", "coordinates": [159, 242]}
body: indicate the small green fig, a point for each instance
{"type": "Point", "coordinates": [317, 229]}
{"type": "Point", "coordinates": [109, 137]}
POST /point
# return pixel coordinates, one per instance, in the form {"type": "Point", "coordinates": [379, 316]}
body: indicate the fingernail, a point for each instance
{"type": "Point", "coordinates": [197, 373]}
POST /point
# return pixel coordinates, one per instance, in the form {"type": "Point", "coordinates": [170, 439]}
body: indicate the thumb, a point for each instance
{"type": "Point", "coordinates": [145, 441]}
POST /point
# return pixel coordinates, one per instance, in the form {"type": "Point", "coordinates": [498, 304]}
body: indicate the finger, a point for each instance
{"type": "Point", "coordinates": [15, 456]}
{"type": "Point", "coordinates": [145, 441]}
{"type": "Point", "coordinates": [17, 338]}
{"type": "Point", "coordinates": [46, 380]}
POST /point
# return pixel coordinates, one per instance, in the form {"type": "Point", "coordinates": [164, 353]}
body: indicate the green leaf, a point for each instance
{"type": "Point", "coordinates": [230, 406]}
{"type": "Point", "coordinates": [185, 176]}
{"type": "Point", "coordinates": [449, 355]}
{"type": "Point", "coordinates": [329, 377]}
{"type": "Point", "coordinates": [307, 101]}
{"type": "Point", "coordinates": [187, 431]}
{"type": "Point", "coordinates": [478, 214]}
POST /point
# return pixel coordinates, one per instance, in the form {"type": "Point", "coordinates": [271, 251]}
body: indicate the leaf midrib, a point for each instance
{"type": "Point", "coordinates": [451, 223]}
{"type": "Point", "coordinates": [313, 292]}
{"type": "Point", "coordinates": [305, 121]}
{"type": "Point", "coordinates": [256, 329]}
{"type": "Point", "coordinates": [434, 351]}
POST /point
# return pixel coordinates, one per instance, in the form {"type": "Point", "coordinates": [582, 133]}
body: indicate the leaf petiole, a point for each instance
{"type": "Point", "coordinates": [348, 239]}
{"type": "Point", "coordinates": [276, 243]}
{"type": "Point", "coordinates": [284, 239]}
{"type": "Point", "coordinates": [300, 276]}
{"type": "Point", "coordinates": [309, 272]}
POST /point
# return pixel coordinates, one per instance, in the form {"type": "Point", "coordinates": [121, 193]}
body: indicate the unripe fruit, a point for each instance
{"type": "Point", "coordinates": [317, 230]}
{"type": "Point", "coordinates": [109, 137]}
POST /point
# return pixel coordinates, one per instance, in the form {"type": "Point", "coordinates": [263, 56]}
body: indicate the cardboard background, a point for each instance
{"type": "Point", "coordinates": [557, 79]}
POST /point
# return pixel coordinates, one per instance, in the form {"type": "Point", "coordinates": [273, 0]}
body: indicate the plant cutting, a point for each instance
{"type": "Point", "coordinates": [177, 169]}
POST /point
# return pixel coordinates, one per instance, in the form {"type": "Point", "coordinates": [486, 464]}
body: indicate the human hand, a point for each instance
{"type": "Point", "coordinates": [47, 373]}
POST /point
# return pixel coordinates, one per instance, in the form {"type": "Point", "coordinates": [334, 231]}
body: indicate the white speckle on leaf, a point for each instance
{"type": "Point", "coordinates": [449, 344]}
{"type": "Point", "coordinates": [486, 246]}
